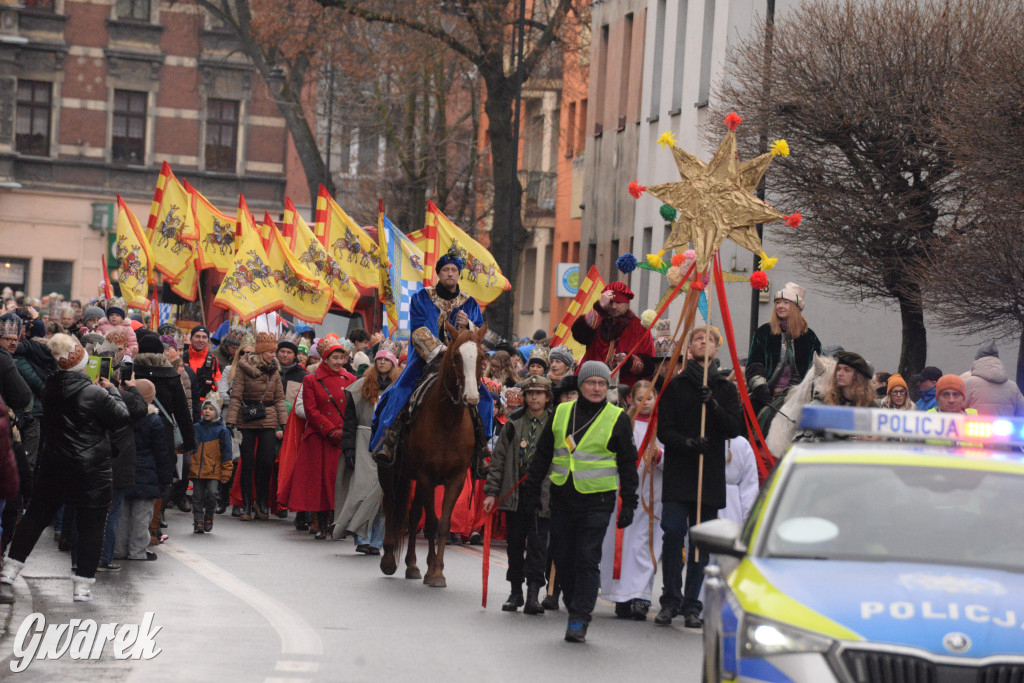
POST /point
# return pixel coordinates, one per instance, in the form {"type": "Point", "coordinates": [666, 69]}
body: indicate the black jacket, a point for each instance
{"type": "Point", "coordinates": [291, 373]}
{"type": "Point", "coordinates": [154, 458]}
{"type": "Point", "coordinates": [621, 444]}
{"type": "Point", "coordinates": [74, 456]}
{"type": "Point", "coordinates": [679, 418]}
{"type": "Point", "coordinates": [157, 369]}
{"type": "Point", "coordinates": [122, 439]}
{"type": "Point", "coordinates": [13, 389]}
{"type": "Point", "coordinates": [766, 350]}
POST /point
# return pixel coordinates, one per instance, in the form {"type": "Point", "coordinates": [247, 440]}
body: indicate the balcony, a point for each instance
{"type": "Point", "coordinates": [538, 192]}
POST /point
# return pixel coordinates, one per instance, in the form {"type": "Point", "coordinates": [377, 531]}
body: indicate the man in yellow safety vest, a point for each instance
{"type": "Point", "coordinates": [589, 452]}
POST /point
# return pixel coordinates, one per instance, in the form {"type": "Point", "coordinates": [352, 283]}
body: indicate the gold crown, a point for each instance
{"type": "Point", "coordinates": [117, 336]}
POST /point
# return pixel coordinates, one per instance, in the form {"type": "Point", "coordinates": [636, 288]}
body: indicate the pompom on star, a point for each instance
{"type": "Point", "coordinates": [667, 140]}
{"type": "Point", "coordinates": [767, 262]}
{"type": "Point", "coordinates": [636, 189]}
{"type": "Point", "coordinates": [733, 121]}
{"type": "Point", "coordinates": [626, 263]}
{"type": "Point", "coordinates": [697, 285]}
{"type": "Point", "coordinates": [678, 259]}
{"type": "Point", "coordinates": [668, 212]}
{"type": "Point", "coordinates": [759, 279]}
{"type": "Point", "coordinates": [793, 220]}
{"type": "Point", "coordinates": [779, 148]}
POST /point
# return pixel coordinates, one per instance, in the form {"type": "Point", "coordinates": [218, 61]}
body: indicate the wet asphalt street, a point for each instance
{"type": "Point", "coordinates": [259, 601]}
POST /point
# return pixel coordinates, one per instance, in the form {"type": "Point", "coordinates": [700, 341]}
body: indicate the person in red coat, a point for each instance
{"type": "Point", "coordinates": [316, 465]}
{"type": "Point", "coordinates": [611, 332]}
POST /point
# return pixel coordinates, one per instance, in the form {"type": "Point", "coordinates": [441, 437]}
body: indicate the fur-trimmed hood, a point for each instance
{"type": "Point", "coordinates": [151, 359]}
{"type": "Point", "coordinates": [253, 365]}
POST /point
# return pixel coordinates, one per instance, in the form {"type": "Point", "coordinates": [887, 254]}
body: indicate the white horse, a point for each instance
{"type": "Point", "coordinates": [784, 425]}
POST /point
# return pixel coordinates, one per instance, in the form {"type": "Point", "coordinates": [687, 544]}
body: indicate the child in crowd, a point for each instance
{"type": "Point", "coordinates": [154, 469]}
{"type": "Point", "coordinates": [211, 464]}
{"type": "Point", "coordinates": [115, 320]}
{"type": "Point", "coordinates": [641, 540]}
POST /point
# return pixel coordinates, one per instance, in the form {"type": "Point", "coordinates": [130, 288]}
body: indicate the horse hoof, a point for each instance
{"type": "Point", "coordinates": [436, 582]}
{"type": "Point", "coordinates": [388, 565]}
{"type": "Point", "coordinates": [413, 573]}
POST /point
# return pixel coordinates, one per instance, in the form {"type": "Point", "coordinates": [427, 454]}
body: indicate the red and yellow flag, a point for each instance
{"type": "Point", "coordinates": [249, 289]}
{"type": "Point", "coordinates": [349, 244]}
{"type": "Point", "coordinates": [134, 258]}
{"type": "Point", "coordinates": [301, 291]}
{"type": "Point", "coordinates": [588, 294]}
{"type": "Point", "coordinates": [171, 229]}
{"type": "Point", "coordinates": [481, 277]}
{"type": "Point", "coordinates": [217, 233]}
{"type": "Point", "coordinates": [312, 254]}
{"type": "Point", "coordinates": [187, 286]}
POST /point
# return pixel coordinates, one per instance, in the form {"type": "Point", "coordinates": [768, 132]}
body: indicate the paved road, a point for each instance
{"type": "Point", "coordinates": [261, 602]}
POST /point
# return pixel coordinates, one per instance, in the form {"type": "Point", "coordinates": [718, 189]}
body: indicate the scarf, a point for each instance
{"type": "Point", "coordinates": [447, 303]}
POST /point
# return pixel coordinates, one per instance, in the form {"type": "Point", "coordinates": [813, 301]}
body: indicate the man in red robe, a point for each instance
{"type": "Point", "coordinates": [611, 331]}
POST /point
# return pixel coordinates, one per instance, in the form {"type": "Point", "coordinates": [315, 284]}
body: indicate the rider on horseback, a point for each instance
{"type": "Point", "coordinates": [430, 308]}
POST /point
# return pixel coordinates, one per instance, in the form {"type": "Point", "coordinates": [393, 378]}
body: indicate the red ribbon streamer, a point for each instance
{"type": "Point", "coordinates": [488, 523]}
{"type": "Point", "coordinates": [765, 460]}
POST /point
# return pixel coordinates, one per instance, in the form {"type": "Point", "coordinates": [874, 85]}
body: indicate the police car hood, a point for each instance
{"type": "Point", "coordinates": [913, 605]}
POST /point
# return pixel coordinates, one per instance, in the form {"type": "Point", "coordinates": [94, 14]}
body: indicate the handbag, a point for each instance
{"type": "Point", "coordinates": [253, 412]}
{"type": "Point", "coordinates": [178, 439]}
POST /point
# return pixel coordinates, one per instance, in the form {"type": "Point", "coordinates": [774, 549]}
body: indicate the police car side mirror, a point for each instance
{"type": "Point", "coordinates": [718, 536]}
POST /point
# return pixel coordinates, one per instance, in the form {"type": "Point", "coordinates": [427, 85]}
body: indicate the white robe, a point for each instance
{"type": "Point", "coordinates": [636, 580]}
{"type": "Point", "coordinates": [740, 480]}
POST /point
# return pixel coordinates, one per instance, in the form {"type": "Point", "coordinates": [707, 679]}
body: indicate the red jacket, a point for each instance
{"type": "Point", "coordinates": [311, 487]}
{"type": "Point", "coordinates": [598, 333]}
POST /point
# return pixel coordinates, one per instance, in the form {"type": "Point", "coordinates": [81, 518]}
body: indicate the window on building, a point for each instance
{"type": "Point", "coordinates": [135, 10]}
{"type": "Point", "coordinates": [706, 43]}
{"type": "Point", "coordinates": [547, 272]}
{"type": "Point", "coordinates": [14, 273]}
{"type": "Point", "coordinates": [57, 277]}
{"type": "Point", "coordinates": [221, 135]}
{"type": "Point", "coordinates": [565, 252]}
{"type": "Point", "coordinates": [679, 59]}
{"type": "Point", "coordinates": [602, 80]}
{"type": "Point", "coordinates": [627, 53]}
{"type": "Point", "coordinates": [581, 129]}
{"type": "Point", "coordinates": [575, 257]}
{"type": "Point", "coordinates": [570, 133]}
{"type": "Point", "coordinates": [659, 55]}
{"type": "Point", "coordinates": [529, 287]}
{"type": "Point", "coordinates": [40, 5]}
{"type": "Point", "coordinates": [33, 126]}
{"type": "Point", "coordinates": [128, 140]}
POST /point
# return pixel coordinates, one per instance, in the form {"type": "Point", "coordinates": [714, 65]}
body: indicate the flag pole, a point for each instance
{"type": "Point", "coordinates": [703, 412]}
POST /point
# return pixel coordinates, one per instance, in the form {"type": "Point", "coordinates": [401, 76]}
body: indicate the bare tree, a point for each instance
{"type": "Point", "coordinates": [482, 33]}
{"type": "Point", "coordinates": [859, 89]}
{"type": "Point", "coordinates": [975, 282]}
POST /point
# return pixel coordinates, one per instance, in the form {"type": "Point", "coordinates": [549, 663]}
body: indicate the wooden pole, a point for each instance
{"type": "Point", "coordinates": [703, 410]}
{"type": "Point", "coordinates": [202, 306]}
{"type": "Point", "coordinates": [551, 581]}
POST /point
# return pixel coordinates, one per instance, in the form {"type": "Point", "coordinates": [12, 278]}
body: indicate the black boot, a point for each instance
{"type": "Point", "coordinates": [576, 630]}
{"type": "Point", "coordinates": [550, 602]}
{"type": "Point", "coordinates": [246, 511]}
{"type": "Point", "coordinates": [515, 599]}
{"type": "Point", "coordinates": [208, 523]}
{"type": "Point", "coordinates": [263, 509]}
{"type": "Point", "coordinates": [532, 603]}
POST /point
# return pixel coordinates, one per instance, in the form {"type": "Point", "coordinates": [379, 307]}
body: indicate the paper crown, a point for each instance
{"type": "Point", "coordinates": [662, 328]}
{"type": "Point", "coordinates": [330, 344]}
{"type": "Point", "coordinates": [235, 335]}
{"type": "Point", "coordinates": [10, 326]}
{"type": "Point", "coordinates": [249, 340]}
{"type": "Point", "coordinates": [539, 354]}
{"type": "Point", "coordinates": [118, 335]}
{"type": "Point", "coordinates": [117, 303]}
{"type": "Point", "coordinates": [663, 347]}
{"type": "Point", "coordinates": [266, 341]}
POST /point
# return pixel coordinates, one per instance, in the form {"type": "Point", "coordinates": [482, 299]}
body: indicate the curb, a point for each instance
{"type": "Point", "coordinates": [12, 620]}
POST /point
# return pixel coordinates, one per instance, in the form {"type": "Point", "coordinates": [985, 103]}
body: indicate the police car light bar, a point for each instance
{"type": "Point", "coordinates": [914, 425]}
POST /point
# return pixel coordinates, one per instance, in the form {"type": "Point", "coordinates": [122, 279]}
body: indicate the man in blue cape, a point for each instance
{"type": "Point", "coordinates": [428, 310]}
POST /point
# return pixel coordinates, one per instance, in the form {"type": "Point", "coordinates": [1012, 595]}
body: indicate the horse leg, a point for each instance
{"type": "Point", "coordinates": [432, 540]}
{"type": "Point", "coordinates": [411, 570]}
{"type": "Point", "coordinates": [396, 495]}
{"type": "Point", "coordinates": [452, 489]}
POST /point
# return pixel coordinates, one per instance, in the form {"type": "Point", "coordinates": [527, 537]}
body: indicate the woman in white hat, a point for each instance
{"type": "Point", "coordinates": [784, 347]}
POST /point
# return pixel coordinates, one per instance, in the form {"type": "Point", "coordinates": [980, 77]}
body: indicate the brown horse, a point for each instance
{"type": "Point", "coordinates": [440, 447]}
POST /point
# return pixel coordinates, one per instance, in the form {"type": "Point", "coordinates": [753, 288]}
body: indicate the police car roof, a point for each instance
{"type": "Point", "coordinates": [910, 454]}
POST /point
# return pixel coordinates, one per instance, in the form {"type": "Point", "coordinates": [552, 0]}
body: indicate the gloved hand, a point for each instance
{"type": "Point", "coordinates": [334, 436]}
{"type": "Point", "coordinates": [625, 518]}
{"type": "Point", "coordinates": [350, 458]}
{"type": "Point", "coordinates": [695, 444]}
{"type": "Point", "coordinates": [705, 394]}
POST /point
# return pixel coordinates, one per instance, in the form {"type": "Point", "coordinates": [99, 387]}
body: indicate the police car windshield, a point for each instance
{"type": "Point", "coordinates": [896, 513]}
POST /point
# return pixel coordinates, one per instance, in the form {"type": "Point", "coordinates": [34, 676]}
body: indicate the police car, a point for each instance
{"type": "Point", "coordinates": [876, 560]}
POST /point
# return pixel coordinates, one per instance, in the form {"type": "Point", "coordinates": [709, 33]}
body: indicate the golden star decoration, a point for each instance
{"type": "Point", "coordinates": [716, 201]}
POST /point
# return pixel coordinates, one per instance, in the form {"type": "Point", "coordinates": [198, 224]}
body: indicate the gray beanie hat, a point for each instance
{"type": "Point", "coordinates": [987, 349]}
{"type": "Point", "coordinates": [594, 368]}
{"type": "Point", "coordinates": [93, 312]}
{"type": "Point", "coordinates": [561, 353]}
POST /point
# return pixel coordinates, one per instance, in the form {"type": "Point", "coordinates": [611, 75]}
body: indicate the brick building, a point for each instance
{"type": "Point", "coordinates": [94, 95]}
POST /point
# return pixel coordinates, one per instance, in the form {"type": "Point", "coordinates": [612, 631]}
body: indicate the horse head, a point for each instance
{"type": "Point", "coordinates": [784, 426]}
{"type": "Point", "coordinates": [465, 355]}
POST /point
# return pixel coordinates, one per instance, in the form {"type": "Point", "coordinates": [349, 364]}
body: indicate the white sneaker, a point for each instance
{"type": "Point", "coordinates": [83, 588]}
{"type": "Point", "coordinates": [10, 571]}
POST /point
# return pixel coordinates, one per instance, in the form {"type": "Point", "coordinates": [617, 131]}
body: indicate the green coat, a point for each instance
{"type": "Point", "coordinates": [766, 349]}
